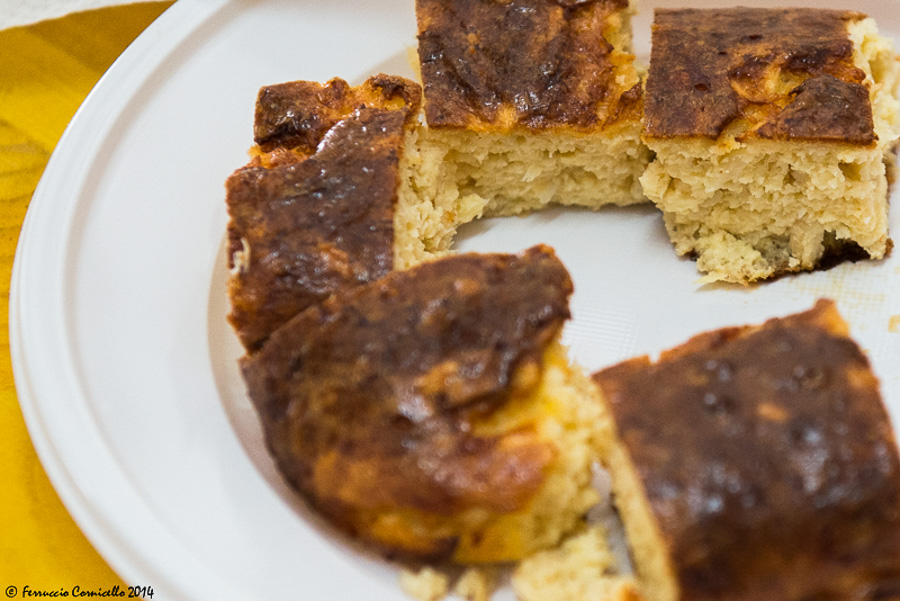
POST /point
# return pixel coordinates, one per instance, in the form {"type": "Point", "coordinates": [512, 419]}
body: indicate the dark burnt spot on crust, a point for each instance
{"type": "Point", "coordinates": [712, 67]}
{"type": "Point", "coordinates": [887, 591]}
{"type": "Point", "coordinates": [294, 113]}
{"type": "Point", "coordinates": [305, 227]}
{"type": "Point", "coordinates": [768, 459]}
{"type": "Point", "coordinates": [367, 399]}
{"type": "Point", "coordinates": [531, 63]}
{"type": "Point", "coordinates": [824, 108]}
{"type": "Point", "coordinates": [813, 59]}
{"type": "Point", "coordinates": [838, 252]}
{"type": "Point", "coordinates": [298, 114]}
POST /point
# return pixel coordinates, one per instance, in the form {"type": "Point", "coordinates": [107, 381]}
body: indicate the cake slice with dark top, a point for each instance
{"type": "Point", "coordinates": [335, 195]}
{"type": "Point", "coordinates": [756, 463]}
{"type": "Point", "coordinates": [774, 132]}
{"type": "Point", "coordinates": [433, 412]}
{"type": "Point", "coordinates": [532, 102]}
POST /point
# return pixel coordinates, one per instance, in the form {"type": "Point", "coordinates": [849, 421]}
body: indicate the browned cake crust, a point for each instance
{"type": "Point", "coordinates": [536, 64]}
{"type": "Point", "coordinates": [298, 114]}
{"type": "Point", "coordinates": [789, 73]}
{"type": "Point", "coordinates": [367, 399]}
{"type": "Point", "coordinates": [768, 460]}
{"type": "Point", "coordinates": [313, 212]}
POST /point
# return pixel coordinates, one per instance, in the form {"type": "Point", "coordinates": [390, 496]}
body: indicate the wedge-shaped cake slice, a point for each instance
{"type": "Point", "coordinates": [329, 199]}
{"type": "Point", "coordinates": [433, 413]}
{"type": "Point", "coordinates": [774, 132]}
{"type": "Point", "coordinates": [532, 102]}
{"type": "Point", "coordinates": [757, 463]}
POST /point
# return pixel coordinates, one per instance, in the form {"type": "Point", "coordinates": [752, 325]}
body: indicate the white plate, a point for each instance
{"type": "Point", "coordinates": [125, 366]}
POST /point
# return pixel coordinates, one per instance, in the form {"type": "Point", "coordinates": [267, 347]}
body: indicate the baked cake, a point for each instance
{"type": "Point", "coordinates": [433, 412]}
{"type": "Point", "coordinates": [773, 132]}
{"type": "Point", "coordinates": [334, 196]}
{"type": "Point", "coordinates": [425, 405]}
{"type": "Point", "coordinates": [757, 463]}
{"type": "Point", "coordinates": [532, 102]}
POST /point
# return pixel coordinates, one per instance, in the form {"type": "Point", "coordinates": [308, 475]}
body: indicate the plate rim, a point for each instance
{"type": "Point", "coordinates": [114, 539]}
{"type": "Point", "coordinates": [122, 543]}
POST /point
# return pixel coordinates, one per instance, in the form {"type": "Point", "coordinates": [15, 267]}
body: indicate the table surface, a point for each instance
{"type": "Point", "coordinates": [46, 71]}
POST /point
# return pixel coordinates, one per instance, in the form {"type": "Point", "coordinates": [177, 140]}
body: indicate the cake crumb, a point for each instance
{"type": "Point", "coordinates": [425, 584]}
{"type": "Point", "coordinates": [582, 568]}
{"type": "Point", "coordinates": [476, 584]}
{"type": "Point", "coordinates": [894, 323]}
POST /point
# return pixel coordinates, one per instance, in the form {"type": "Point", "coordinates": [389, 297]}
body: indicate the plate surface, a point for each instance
{"type": "Point", "coordinates": [125, 366]}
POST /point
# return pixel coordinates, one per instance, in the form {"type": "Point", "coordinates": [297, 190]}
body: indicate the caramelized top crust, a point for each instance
{"type": "Point", "coordinates": [768, 73]}
{"type": "Point", "coordinates": [368, 399]}
{"type": "Point", "coordinates": [768, 460]}
{"type": "Point", "coordinates": [303, 227]}
{"type": "Point", "coordinates": [537, 64]}
{"type": "Point", "coordinates": [298, 114]}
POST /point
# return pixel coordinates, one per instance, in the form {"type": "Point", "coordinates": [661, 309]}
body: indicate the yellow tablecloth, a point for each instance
{"type": "Point", "coordinates": [46, 70]}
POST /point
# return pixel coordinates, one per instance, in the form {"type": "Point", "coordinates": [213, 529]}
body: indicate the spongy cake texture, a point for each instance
{"type": "Point", "coordinates": [582, 568]}
{"type": "Point", "coordinates": [774, 132]}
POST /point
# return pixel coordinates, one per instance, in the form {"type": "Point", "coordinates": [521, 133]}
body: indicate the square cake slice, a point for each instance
{"type": "Point", "coordinates": [774, 132]}
{"type": "Point", "coordinates": [327, 200]}
{"type": "Point", "coordinates": [532, 102]}
{"type": "Point", "coordinates": [757, 463]}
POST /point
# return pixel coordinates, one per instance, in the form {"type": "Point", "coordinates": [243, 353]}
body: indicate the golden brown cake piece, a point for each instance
{"type": "Point", "coordinates": [532, 102]}
{"type": "Point", "coordinates": [433, 412]}
{"type": "Point", "coordinates": [774, 132]}
{"type": "Point", "coordinates": [324, 202]}
{"type": "Point", "coordinates": [757, 463]}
